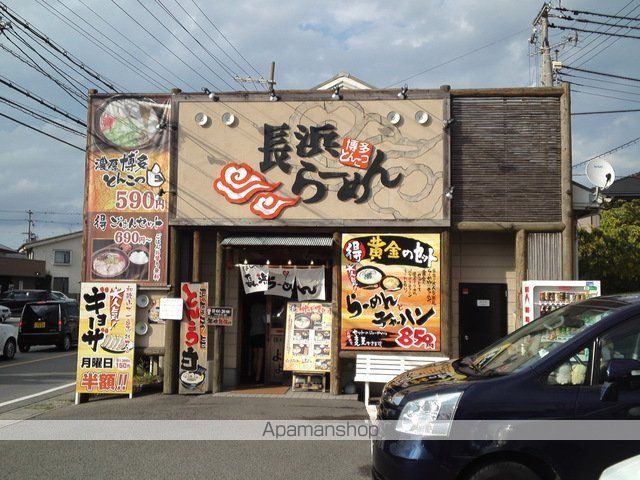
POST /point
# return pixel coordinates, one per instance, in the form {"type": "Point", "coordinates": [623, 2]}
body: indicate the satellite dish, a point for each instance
{"type": "Point", "coordinates": [600, 173]}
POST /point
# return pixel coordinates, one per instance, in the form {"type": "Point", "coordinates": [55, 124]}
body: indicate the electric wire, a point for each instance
{"type": "Point", "coordinates": [97, 42]}
{"type": "Point", "coordinates": [595, 14]}
{"type": "Point", "coordinates": [598, 80]}
{"type": "Point", "coordinates": [13, 119]}
{"type": "Point", "coordinates": [602, 112]}
{"type": "Point", "coordinates": [76, 96]}
{"type": "Point", "coordinates": [626, 92]}
{"type": "Point", "coordinates": [135, 45]}
{"type": "Point", "coordinates": [211, 22]}
{"type": "Point", "coordinates": [593, 72]}
{"type": "Point", "coordinates": [186, 47]}
{"type": "Point", "coordinates": [160, 43]}
{"type": "Point", "coordinates": [608, 152]}
{"type": "Point", "coordinates": [39, 116]}
{"type": "Point", "coordinates": [581, 20]}
{"type": "Point", "coordinates": [179, 4]}
{"type": "Point", "coordinates": [73, 82]}
{"type": "Point", "coordinates": [113, 86]}
{"type": "Point", "coordinates": [605, 96]}
{"type": "Point", "coordinates": [620, 35]}
{"type": "Point", "coordinates": [466, 54]}
{"type": "Point", "coordinates": [5, 81]}
{"type": "Point", "coordinates": [228, 71]}
{"type": "Point", "coordinates": [581, 51]}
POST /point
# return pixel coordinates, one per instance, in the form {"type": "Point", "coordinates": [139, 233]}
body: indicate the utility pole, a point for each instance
{"type": "Point", "coordinates": [270, 82]}
{"type": "Point", "coordinates": [31, 236]}
{"type": "Point", "coordinates": [546, 72]}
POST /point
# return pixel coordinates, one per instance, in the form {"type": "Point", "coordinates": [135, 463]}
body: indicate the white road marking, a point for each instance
{"type": "Point", "coordinates": [33, 395]}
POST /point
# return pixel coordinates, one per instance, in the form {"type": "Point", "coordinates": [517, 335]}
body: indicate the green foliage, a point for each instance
{"type": "Point", "coordinates": [611, 252]}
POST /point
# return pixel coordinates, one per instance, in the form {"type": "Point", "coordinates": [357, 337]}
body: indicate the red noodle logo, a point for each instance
{"type": "Point", "coordinates": [238, 182]}
{"type": "Point", "coordinates": [270, 206]}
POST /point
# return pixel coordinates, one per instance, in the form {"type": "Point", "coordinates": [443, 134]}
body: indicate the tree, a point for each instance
{"type": "Point", "coordinates": [611, 252]}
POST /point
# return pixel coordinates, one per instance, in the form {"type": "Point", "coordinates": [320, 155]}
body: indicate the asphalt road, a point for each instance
{"type": "Point", "coordinates": [42, 368]}
{"type": "Point", "coordinates": [281, 460]}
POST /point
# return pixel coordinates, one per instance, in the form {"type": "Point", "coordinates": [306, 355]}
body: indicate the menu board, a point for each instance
{"type": "Point", "coordinates": [391, 292]}
{"type": "Point", "coordinates": [106, 338]}
{"type": "Point", "coordinates": [127, 199]}
{"type": "Point", "coordinates": [193, 338]}
{"type": "Point", "coordinates": [308, 337]}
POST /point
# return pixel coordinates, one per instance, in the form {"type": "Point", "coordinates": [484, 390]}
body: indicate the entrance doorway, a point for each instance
{"type": "Point", "coordinates": [483, 315]}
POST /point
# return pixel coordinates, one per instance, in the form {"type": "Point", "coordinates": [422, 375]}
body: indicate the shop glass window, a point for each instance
{"type": "Point", "coordinates": [573, 371]}
{"type": "Point", "coordinates": [62, 257]}
{"type": "Point", "coordinates": [622, 341]}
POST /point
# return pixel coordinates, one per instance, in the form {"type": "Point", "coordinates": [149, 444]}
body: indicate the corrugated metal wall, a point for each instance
{"type": "Point", "coordinates": [544, 256]}
{"type": "Point", "coordinates": [505, 159]}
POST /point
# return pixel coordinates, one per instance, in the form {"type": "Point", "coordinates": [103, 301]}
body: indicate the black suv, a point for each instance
{"type": "Point", "coordinates": [15, 300]}
{"type": "Point", "coordinates": [48, 323]}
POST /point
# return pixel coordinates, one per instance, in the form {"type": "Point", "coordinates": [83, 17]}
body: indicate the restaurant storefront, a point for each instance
{"type": "Point", "coordinates": [366, 222]}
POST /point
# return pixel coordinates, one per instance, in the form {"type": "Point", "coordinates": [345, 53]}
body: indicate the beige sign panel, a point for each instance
{"type": "Point", "coordinates": [313, 162]}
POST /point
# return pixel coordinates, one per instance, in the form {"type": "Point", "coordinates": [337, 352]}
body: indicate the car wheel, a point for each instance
{"type": "Point", "coordinates": [9, 350]}
{"type": "Point", "coordinates": [65, 345]}
{"type": "Point", "coordinates": [505, 471]}
{"type": "Point", "coordinates": [24, 348]}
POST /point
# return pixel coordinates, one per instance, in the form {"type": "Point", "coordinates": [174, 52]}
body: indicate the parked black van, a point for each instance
{"type": "Point", "coordinates": [48, 323]}
{"type": "Point", "coordinates": [581, 362]}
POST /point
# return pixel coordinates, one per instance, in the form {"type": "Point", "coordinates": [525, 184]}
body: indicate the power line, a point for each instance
{"type": "Point", "coordinates": [206, 50]}
{"type": "Point", "coordinates": [5, 81]}
{"type": "Point", "coordinates": [27, 26]}
{"type": "Point", "coordinates": [135, 45]}
{"type": "Point", "coordinates": [606, 96]}
{"type": "Point", "coordinates": [159, 42]}
{"type": "Point", "coordinates": [224, 36]}
{"type": "Point", "coordinates": [613, 150]}
{"type": "Point", "coordinates": [578, 12]}
{"type": "Point", "coordinates": [596, 38]}
{"type": "Point", "coordinates": [565, 74]}
{"type": "Point", "coordinates": [41, 131]}
{"type": "Point", "coordinates": [185, 46]}
{"type": "Point", "coordinates": [76, 96]}
{"type": "Point", "coordinates": [551, 25]}
{"type": "Point", "coordinates": [100, 44]}
{"type": "Point", "coordinates": [581, 20]}
{"type": "Point", "coordinates": [457, 58]}
{"type": "Point", "coordinates": [601, 73]}
{"type": "Point", "coordinates": [606, 111]}
{"type": "Point", "coordinates": [626, 92]}
{"type": "Point", "coordinates": [39, 116]}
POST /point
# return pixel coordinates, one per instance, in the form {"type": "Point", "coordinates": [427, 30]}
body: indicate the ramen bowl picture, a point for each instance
{"type": "Point", "coordinates": [369, 277]}
{"type": "Point", "coordinates": [191, 380]}
{"type": "Point", "coordinates": [128, 122]}
{"type": "Point", "coordinates": [109, 262]}
{"type": "Point", "coordinates": [302, 321]}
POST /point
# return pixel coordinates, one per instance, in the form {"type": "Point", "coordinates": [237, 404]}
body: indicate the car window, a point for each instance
{"type": "Point", "coordinates": [574, 370]}
{"type": "Point", "coordinates": [622, 341]}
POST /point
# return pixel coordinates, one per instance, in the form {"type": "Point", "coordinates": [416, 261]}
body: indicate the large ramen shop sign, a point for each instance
{"type": "Point", "coordinates": [127, 174]}
{"type": "Point", "coordinates": [391, 292]}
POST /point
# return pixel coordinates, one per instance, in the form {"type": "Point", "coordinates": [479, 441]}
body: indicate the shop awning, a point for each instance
{"type": "Point", "coordinates": [277, 241]}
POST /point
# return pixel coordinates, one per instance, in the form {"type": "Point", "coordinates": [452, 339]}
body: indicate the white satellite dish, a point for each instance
{"type": "Point", "coordinates": [600, 173]}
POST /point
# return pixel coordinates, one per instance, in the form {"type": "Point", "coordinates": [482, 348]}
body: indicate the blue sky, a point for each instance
{"type": "Point", "coordinates": [380, 42]}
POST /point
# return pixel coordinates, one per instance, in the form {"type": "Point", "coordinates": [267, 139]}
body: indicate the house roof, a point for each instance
{"type": "Point", "coordinates": [5, 249]}
{"type": "Point", "coordinates": [625, 187]}
{"type": "Point", "coordinates": [45, 241]}
{"type": "Point", "coordinates": [344, 80]}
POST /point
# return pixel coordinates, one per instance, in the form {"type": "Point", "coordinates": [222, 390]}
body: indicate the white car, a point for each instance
{"type": "Point", "coordinates": [8, 340]}
{"type": "Point", "coordinates": [61, 296]}
{"type": "Point", "coordinates": [626, 470]}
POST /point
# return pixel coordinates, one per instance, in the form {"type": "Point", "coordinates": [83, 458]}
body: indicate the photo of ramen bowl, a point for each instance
{"type": "Point", "coordinates": [391, 284]}
{"type": "Point", "coordinates": [191, 379]}
{"type": "Point", "coordinates": [369, 277]}
{"type": "Point", "coordinates": [127, 122]}
{"type": "Point", "coordinates": [302, 322]}
{"type": "Point", "coordinates": [109, 262]}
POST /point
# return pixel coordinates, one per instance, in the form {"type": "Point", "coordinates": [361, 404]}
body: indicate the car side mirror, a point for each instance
{"type": "Point", "coordinates": [623, 371]}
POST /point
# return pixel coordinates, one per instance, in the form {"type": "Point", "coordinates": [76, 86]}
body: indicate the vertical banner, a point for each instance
{"type": "Point", "coordinates": [193, 338]}
{"type": "Point", "coordinates": [308, 337]}
{"type": "Point", "coordinates": [391, 292]}
{"type": "Point", "coordinates": [127, 196]}
{"type": "Point", "coordinates": [310, 283]}
{"type": "Point", "coordinates": [106, 338]}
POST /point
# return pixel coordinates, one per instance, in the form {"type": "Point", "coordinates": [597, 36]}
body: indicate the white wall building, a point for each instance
{"type": "Point", "coordinates": [63, 260]}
